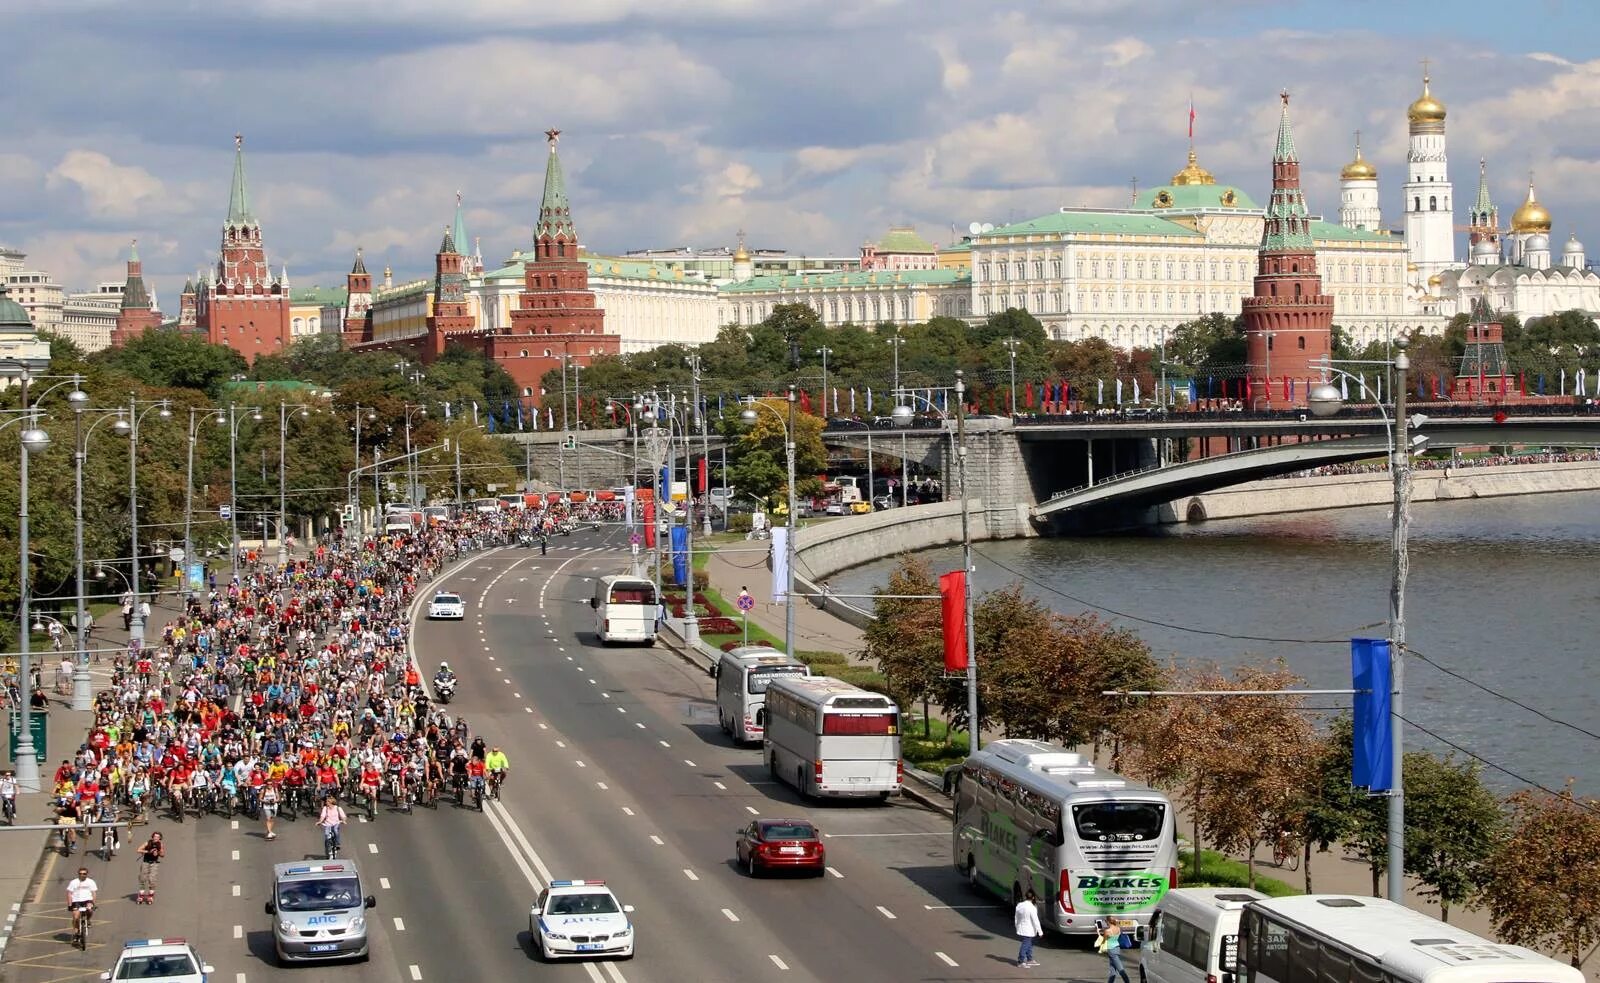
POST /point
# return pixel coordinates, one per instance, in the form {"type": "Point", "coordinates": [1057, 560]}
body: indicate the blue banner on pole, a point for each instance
{"type": "Point", "coordinates": [1371, 766]}
{"type": "Point", "coordinates": [680, 555]}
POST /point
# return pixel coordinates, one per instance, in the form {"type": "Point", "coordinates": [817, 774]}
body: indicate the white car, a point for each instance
{"type": "Point", "coordinates": [167, 960]}
{"type": "Point", "coordinates": [580, 918]}
{"type": "Point", "coordinates": [446, 606]}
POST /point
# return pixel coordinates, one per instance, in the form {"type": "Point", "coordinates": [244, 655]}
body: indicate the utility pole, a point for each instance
{"type": "Point", "coordinates": [1400, 472]}
{"type": "Point", "coordinates": [577, 414]}
{"type": "Point", "coordinates": [705, 450]}
{"type": "Point", "coordinates": [973, 723]}
{"type": "Point", "coordinates": [905, 465]}
{"type": "Point", "coordinates": [458, 469]}
{"type": "Point", "coordinates": [1011, 349]}
{"type": "Point", "coordinates": [825, 351]}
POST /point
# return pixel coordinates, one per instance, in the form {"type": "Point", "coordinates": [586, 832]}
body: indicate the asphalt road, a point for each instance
{"type": "Point", "coordinates": [618, 772]}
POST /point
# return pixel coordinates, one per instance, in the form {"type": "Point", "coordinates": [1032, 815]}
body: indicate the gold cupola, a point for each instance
{"type": "Point", "coordinates": [1358, 169]}
{"type": "Point", "coordinates": [1426, 109]}
{"type": "Point", "coordinates": [1531, 216]}
{"type": "Point", "coordinates": [1192, 173]}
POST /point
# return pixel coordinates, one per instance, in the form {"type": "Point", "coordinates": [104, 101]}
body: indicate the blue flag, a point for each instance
{"type": "Point", "coordinates": [1372, 767]}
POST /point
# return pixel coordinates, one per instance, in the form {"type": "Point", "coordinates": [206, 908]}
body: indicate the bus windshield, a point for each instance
{"type": "Point", "coordinates": [1119, 822]}
{"type": "Point", "coordinates": [760, 677]}
{"type": "Point", "coordinates": [632, 594]}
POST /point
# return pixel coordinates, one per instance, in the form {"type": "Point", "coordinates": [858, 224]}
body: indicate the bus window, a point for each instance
{"type": "Point", "coordinates": [1119, 821]}
{"type": "Point", "coordinates": [760, 677]}
{"type": "Point", "coordinates": [860, 724]}
{"type": "Point", "coordinates": [632, 594]}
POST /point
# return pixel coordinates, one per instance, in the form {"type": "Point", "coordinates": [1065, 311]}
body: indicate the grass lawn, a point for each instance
{"type": "Point", "coordinates": [1219, 871]}
{"type": "Point", "coordinates": [936, 752]}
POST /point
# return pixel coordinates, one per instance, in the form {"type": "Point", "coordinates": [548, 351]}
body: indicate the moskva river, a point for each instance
{"type": "Point", "coordinates": [1504, 592]}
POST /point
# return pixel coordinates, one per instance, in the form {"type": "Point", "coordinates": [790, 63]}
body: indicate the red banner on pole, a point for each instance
{"type": "Point", "coordinates": [953, 602]}
{"type": "Point", "coordinates": [650, 524]}
{"type": "Point", "coordinates": [700, 478]}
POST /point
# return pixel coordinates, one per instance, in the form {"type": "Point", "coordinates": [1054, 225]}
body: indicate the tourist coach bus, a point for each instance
{"type": "Point", "coordinates": [1348, 939]}
{"type": "Point", "coordinates": [1093, 845]}
{"type": "Point", "coordinates": [743, 675]}
{"type": "Point", "coordinates": [831, 739]}
{"type": "Point", "coordinates": [624, 610]}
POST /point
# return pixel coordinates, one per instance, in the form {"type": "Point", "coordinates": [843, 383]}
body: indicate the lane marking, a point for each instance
{"type": "Point", "coordinates": [236, 854]}
{"type": "Point", "coordinates": [372, 848]}
{"type": "Point", "coordinates": [383, 882]}
{"type": "Point", "coordinates": [561, 744]}
{"type": "Point", "coordinates": [622, 709]}
{"type": "Point", "coordinates": [658, 841]}
{"type": "Point", "coordinates": [835, 872]}
{"type": "Point", "coordinates": [238, 931]}
{"type": "Point", "coordinates": [416, 971]}
{"type": "Point", "coordinates": [728, 912]}
{"type": "Point", "coordinates": [662, 743]}
{"type": "Point", "coordinates": [885, 912]}
{"type": "Point", "coordinates": [544, 726]}
{"type": "Point", "coordinates": [753, 810]}
{"type": "Point", "coordinates": [626, 811]}
{"type": "Point", "coordinates": [690, 874]}
{"type": "Point", "coordinates": [580, 764]}
{"type": "Point", "coordinates": [946, 959]}
{"type": "Point", "coordinates": [236, 890]}
{"type": "Point", "coordinates": [603, 787]}
{"type": "Point", "coordinates": [527, 709]}
{"type": "Point", "coordinates": [516, 696]}
{"type": "Point", "coordinates": [604, 695]}
{"type": "Point", "coordinates": [841, 836]}
{"type": "Point", "coordinates": [399, 926]}
{"type": "Point", "coordinates": [778, 962]}
{"type": "Point", "coordinates": [720, 786]}
{"type": "Point", "coordinates": [691, 764]}
{"type": "Point", "coordinates": [233, 824]}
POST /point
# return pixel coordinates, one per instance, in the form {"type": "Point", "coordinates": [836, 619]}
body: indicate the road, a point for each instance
{"type": "Point", "coordinates": [619, 772]}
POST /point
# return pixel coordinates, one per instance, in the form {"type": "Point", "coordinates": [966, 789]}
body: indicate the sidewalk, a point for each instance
{"type": "Point", "coordinates": [814, 629]}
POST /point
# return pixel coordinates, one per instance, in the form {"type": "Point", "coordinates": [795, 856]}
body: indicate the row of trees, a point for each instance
{"type": "Point", "coordinates": [1251, 769]}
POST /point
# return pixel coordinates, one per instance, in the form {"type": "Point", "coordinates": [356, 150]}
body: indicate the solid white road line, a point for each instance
{"type": "Point", "coordinates": [778, 962]}
{"type": "Point", "coordinates": [728, 912]}
{"type": "Point", "coordinates": [946, 959]}
{"type": "Point", "coordinates": [885, 912]}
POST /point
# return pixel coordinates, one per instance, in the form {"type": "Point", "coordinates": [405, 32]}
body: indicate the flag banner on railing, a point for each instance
{"type": "Point", "coordinates": [680, 558]}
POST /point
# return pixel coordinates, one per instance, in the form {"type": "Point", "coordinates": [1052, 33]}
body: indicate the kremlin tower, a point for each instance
{"type": "Point", "coordinates": [1288, 320]}
{"type": "Point", "coordinates": [1429, 230]}
{"type": "Point", "coordinates": [1358, 194]}
{"type": "Point", "coordinates": [452, 313]}
{"type": "Point", "coordinates": [138, 313]}
{"type": "Point", "coordinates": [241, 304]}
{"type": "Point", "coordinates": [358, 303]}
{"type": "Point", "coordinates": [1483, 224]}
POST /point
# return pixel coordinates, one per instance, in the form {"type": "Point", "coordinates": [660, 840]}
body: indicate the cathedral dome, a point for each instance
{"type": "Point", "coordinates": [1426, 109]}
{"type": "Point", "coordinates": [1192, 173]}
{"type": "Point", "coordinates": [1483, 250]}
{"type": "Point", "coordinates": [1572, 245]}
{"type": "Point", "coordinates": [1531, 216]}
{"type": "Point", "coordinates": [1358, 169]}
{"type": "Point", "coordinates": [1538, 243]}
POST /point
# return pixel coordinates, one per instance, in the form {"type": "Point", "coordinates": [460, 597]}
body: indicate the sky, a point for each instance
{"type": "Point", "coordinates": [813, 125]}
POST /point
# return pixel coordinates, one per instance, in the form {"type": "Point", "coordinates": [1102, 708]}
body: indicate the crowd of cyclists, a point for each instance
{"type": "Point", "coordinates": [285, 692]}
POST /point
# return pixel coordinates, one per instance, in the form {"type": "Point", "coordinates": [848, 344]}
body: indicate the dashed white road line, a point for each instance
{"type": "Point", "coordinates": [835, 872]}
{"type": "Point", "coordinates": [236, 890]}
{"type": "Point", "coordinates": [658, 841]}
{"type": "Point", "coordinates": [561, 744]}
{"type": "Point", "coordinates": [626, 811]}
{"type": "Point", "coordinates": [946, 959]}
{"type": "Point", "coordinates": [622, 709]}
{"type": "Point", "coordinates": [638, 725]}
{"type": "Point", "coordinates": [778, 962]}
{"type": "Point", "coordinates": [753, 810]}
{"type": "Point", "coordinates": [663, 743]}
{"type": "Point", "coordinates": [238, 931]}
{"type": "Point", "coordinates": [399, 926]}
{"type": "Point", "coordinates": [383, 882]}
{"type": "Point", "coordinates": [602, 786]}
{"type": "Point", "coordinates": [416, 971]}
{"type": "Point", "coordinates": [544, 726]}
{"type": "Point", "coordinates": [233, 824]}
{"type": "Point", "coordinates": [728, 913]}
{"type": "Point", "coordinates": [885, 912]}
{"type": "Point", "coordinates": [372, 848]}
{"type": "Point", "coordinates": [236, 854]}
{"type": "Point", "coordinates": [690, 874]}
{"type": "Point", "coordinates": [691, 764]}
{"type": "Point", "coordinates": [720, 786]}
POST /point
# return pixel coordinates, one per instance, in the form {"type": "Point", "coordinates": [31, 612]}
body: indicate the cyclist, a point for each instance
{"type": "Point", "coordinates": [332, 820]}
{"type": "Point", "coordinates": [81, 892]}
{"type": "Point", "coordinates": [371, 780]}
{"type": "Point", "coordinates": [498, 766]}
{"type": "Point", "coordinates": [475, 775]}
{"type": "Point", "coordinates": [8, 796]}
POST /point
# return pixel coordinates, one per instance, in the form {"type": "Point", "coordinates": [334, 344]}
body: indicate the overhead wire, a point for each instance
{"type": "Point", "coordinates": [1509, 699]}
{"type": "Point", "coordinates": [1499, 767]}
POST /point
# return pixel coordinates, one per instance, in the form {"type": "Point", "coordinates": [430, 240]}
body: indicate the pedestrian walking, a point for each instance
{"type": "Point", "coordinates": [269, 807]}
{"type": "Point", "coordinates": [1110, 942]}
{"type": "Point", "coordinates": [1026, 921]}
{"type": "Point", "coordinates": [150, 855]}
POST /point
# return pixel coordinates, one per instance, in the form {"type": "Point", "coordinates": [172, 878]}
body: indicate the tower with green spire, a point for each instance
{"type": "Point", "coordinates": [1483, 221]}
{"type": "Point", "coordinates": [1288, 319]}
{"type": "Point", "coordinates": [555, 237]}
{"type": "Point", "coordinates": [137, 314]}
{"type": "Point", "coordinates": [242, 305]}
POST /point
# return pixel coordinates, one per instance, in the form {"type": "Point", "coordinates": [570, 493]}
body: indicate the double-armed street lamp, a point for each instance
{"type": "Point", "coordinates": [304, 410]}
{"type": "Point", "coordinates": [1326, 400]}
{"type": "Point", "coordinates": [82, 691]}
{"type": "Point", "coordinates": [412, 411]}
{"type": "Point", "coordinates": [235, 421]}
{"type": "Point", "coordinates": [197, 416]}
{"type": "Point", "coordinates": [902, 416]}
{"type": "Point", "coordinates": [748, 416]}
{"type": "Point", "coordinates": [631, 412]}
{"type": "Point", "coordinates": [368, 414]}
{"type": "Point", "coordinates": [135, 418]}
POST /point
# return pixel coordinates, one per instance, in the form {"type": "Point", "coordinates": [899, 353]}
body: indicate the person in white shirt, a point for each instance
{"type": "Point", "coordinates": [1026, 921]}
{"type": "Point", "coordinates": [8, 797]}
{"type": "Point", "coordinates": [332, 820]}
{"type": "Point", "coordinates": [81, 892]}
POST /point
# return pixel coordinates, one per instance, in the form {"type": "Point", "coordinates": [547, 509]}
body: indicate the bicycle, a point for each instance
{"type": "Point", "coordinates": [109, 841]}
{"type": "Point", "coordinates": [330, 842]}
{"type": "Point", "coordinates": [496, 779]}
{"type": "Point", "coordinates": [1284, 854]}
{"type": "Point", "coordinates": [80, 932]}
{"type": "Point", "coordinates": [477, 795]}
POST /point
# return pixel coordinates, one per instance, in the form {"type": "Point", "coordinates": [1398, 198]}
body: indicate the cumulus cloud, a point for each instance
{"type": "Point", "coordinates": [107, 189]}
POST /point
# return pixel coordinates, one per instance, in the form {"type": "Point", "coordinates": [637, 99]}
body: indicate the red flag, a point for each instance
{"type": "Point", "coordinates": [805, 401]}
{"type": "Point", "coordinates": [650, 524]}
{"type": "Point", "coordinates": [1191, 120]}
{"type": "Point", "coordinates": [1028, 394]}
{"type": "Point", "coordinates": [1480, 377]}
{"type": "Point", "coordinates": [700, 478]}
{"type": "Point", "coordinates": [953, 602]}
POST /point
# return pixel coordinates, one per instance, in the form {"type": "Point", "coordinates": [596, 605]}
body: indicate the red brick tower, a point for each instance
{"type": "Point", "coordinates": [138, 314]}
{"type": "Point", "coordinates": [188, 307]}
{"type": "Point", "coordinates": [452, 313]}
{"type": "Point", "coordinates": [556, 307]}
{"type": "Point", "coordinates": [244, 307]}
{"type": "Point", "coordinates": [1288, 320]}
{"type": "Point", "coordinates": [358, 303]}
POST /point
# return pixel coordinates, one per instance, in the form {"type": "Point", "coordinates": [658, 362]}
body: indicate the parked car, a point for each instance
{"type": "Point", "coordinates": [882, 502]}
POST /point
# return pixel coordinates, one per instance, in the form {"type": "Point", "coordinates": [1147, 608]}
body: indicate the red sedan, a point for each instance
{"type": "Point", "coordinates": [781, 844]}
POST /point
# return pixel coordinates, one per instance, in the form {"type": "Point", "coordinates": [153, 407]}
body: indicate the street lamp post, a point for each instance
{"type": "Point", "coordinates": [902, 416]}
{"type": "Point", "coordinates": [749, 415]}
{"type": "Point", "coordinates": [135, 418]}
{"type": "Point", "coordinates": [411, 462]}
{"type": "Point", "coordinates": [1011, 350]}
{"type": "Point", "coordinates": [82, 690]}
{"type": "Point", "coordinates": [196, 415]}
{"type": "Point", "coordinates": [905, 464]}
{"type": "Point", "coordinates": [1325, 400]}
{"type": "Point", "coordinates": [825, 351]}
{"type": "Point", "coordinates": [699, 412]}
{"type": "Point", "coordinates": [234, 423]}
{"type": "Point", "coordinates": [283, 496]}
{"type": "Point", "coordinates": [355, 487]}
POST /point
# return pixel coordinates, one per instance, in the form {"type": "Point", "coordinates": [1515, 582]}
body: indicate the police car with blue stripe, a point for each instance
{"type": "Point", "coordinates": [580, 918]}
{"type": "Point", "coordinates": [167, 960]}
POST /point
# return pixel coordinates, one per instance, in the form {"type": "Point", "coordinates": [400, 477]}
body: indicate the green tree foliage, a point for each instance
{"type": "Point", "coordinates": [1542, 885]}
{"type": "Point", "coordinates": [757, 462]}
{"type": "Point", "coordinates": [1208, 344]}
{"type": "Point", "coordinates": [171, 359]}
{"type": "Point", "coordinates": [906, 639]}
{"type": "Point", "coordinates": [1453, 827]}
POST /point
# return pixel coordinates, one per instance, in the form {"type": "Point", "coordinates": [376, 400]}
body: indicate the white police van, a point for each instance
{"type": "Point", "coordinates": [580, 918]}
{"type": "Point", "coordinates": [318, 911]}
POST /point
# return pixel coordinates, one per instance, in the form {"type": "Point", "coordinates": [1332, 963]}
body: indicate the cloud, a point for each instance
{"type": "Point", "coordinates": [107, 189]}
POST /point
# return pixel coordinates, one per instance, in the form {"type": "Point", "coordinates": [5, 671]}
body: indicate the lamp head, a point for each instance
{"type": "Point", "coordinates": [38, 626]}
{"type": "Point", "coordinates": [34, 440]}
{"type": "Point", "coordinates": [256, 415]}
{"type": "Point", "coordinates": [371, 416]}
{"type": "Point", "coordinates": [305, 411]}
{"type": "Point", "coordinates": [165, 412]}
{"type": "Point", "coordinates": [121, 427]}
{"type": "Point", "coordinates": [901, 415]}
{"type": "Point", "coordinates": [76, 398]}
{"type": "Point", "coordinates": [1324, 400]}
{"type": "Point", "coordinates": [219, 419]}
{"type": "Point", "coordinates": [747, 415]}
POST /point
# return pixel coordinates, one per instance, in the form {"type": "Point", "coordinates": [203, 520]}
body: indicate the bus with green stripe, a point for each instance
{"type": "Point", "coordinates": [1093, 845]}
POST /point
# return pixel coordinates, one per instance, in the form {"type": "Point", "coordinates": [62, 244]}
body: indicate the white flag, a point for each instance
{"type": "Point", "coordinates": [1136, 391]}
{"type": "Point", "coordinates": [869, 399]}
{"type": "Point", "coordinates": [1344, 388]}
{"type": "Point", "coordinates": [447, 409]}
{"type": "Point", "coordinates": [1099, 390]}
{"type": "Point", "coordinates": [550, 417]}
{"type": "Point", "coordinates": [474, 412]}
{"type": "Point", "coordinates": [1119, 392]}
{"type": "Point", "coordinates": [852, 401]}
{"type": "Point", "coordinates": [780, 564]}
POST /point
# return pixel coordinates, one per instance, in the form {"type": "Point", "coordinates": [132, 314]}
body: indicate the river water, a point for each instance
{"type": "Point", "coordinates": [1501, 591]}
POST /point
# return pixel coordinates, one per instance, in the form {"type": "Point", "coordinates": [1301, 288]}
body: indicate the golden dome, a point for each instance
{"type": "Point", "coordinates": [1192, 173]}
{"type": "Point", "coordinates": [1426, 109]}
{"type": "Point", "coordinates": [1531, 216]}
{"type": "Point", "coordinates": [741, 255]}
{"type": "Point", "coordinates": [1358, 169]}
{"type": "Point", "coordinates": [1435, 280]}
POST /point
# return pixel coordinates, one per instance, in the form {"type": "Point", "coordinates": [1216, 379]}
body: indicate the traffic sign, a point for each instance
{"type": "Point", "coordinates": [745, 602]}
{"type": "Point", "coordinates": [633, 539]}
{"type": "Point", "coordinates": [226, 511]}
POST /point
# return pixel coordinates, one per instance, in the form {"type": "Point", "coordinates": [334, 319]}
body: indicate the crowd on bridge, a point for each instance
{"type": "Point", "coordinates": [285, 692]}
{"type": "Point", "coordinates": [1449, 464]}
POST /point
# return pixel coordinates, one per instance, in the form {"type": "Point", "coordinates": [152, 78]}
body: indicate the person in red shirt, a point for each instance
{"type": "Point", "coordinates": [327, 780]}
{"type": "Point", "coordinates": [476, 775]}
{"type": "Point", "coordinates": [371, 780]}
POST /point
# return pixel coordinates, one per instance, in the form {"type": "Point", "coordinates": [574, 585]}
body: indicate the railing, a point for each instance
{"type": "Point", "coordinates": [1120, 476]}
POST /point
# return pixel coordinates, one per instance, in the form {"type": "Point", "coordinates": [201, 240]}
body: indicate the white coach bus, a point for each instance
{"type": "Point", "coordinates": [743, 675]}
{"type": "Point", "coordinates": [624, 610]}
{"type": "Point", "coordinates": [1092, 844]}
{"type": "Point", "coordinates": [831, 739]}
{"type": "Point", "coordinates": [1348, 939]}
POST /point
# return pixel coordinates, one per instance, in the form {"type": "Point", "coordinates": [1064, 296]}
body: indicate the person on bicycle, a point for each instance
{"type": "Point", "coordinates": [476, 774]}
{"type": "Point", "coordinates": [81, 892]}
{"type": "Point", "coordinates": [371, 780]}
{"type": "Point", "coordinates": [332, 820]}
{"type": "Point", "coordinates": [8, 796]}
{"type": "Point", "coordinates": [498, 765]}
{"type": "Point", "coordinates": [150, 855]}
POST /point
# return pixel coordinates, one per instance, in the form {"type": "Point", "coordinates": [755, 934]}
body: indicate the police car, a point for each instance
{"type": "Point", "coordinates": [580, 918]}
{"type": "Point", "coordinates": [167, 960]}
{"type": "Point", "coordinates": [447, 606]}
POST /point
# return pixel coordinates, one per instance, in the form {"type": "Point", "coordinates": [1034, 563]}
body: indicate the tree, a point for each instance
{"type": "Point", "coordinates": [775, 342]}
{"type": "Point", "coordinates": [906, 639]}
{"type": "Point", "coordinates": [757, 462]}
{"type": "Point", "coordinates": [1329, 810]}
{"type": "Point", "coordinates": [1083, 363]}
{"type": "Point", "coordinates": [1453, 826]}
{"type": "Point", "coordinates": [1214, 341]}
{"type": "Point", "coordinates": [1013, 322]}
{"type": "Point", "coordinates": [175, 359]}
{"type": "Point", "coordinates": [1542, 886]}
